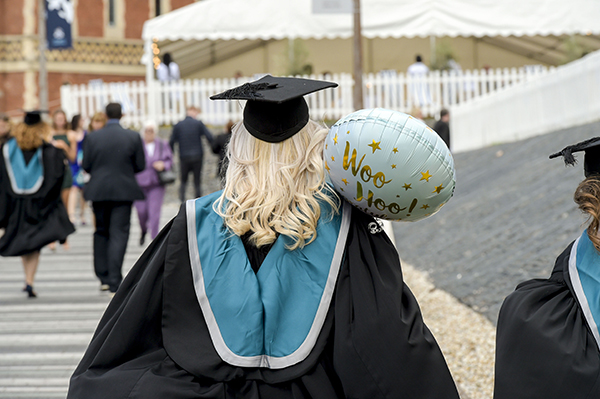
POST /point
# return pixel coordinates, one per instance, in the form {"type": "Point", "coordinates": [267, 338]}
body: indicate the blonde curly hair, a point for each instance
{"type": "Point", "coordinates": [587, 197]}
{"type": "Point", "coordinates": [276, 188]}
{"type": "Point", "coordinates": [30, 137]}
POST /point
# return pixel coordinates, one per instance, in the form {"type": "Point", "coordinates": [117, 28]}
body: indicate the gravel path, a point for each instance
{"type": "Point", "coordinates": [512, 214]}
{"type": "Point", "coordinates": [466, 338]}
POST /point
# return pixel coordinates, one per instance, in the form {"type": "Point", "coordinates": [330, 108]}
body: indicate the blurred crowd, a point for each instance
{"type": "Point", "coordinates": [102, 170]}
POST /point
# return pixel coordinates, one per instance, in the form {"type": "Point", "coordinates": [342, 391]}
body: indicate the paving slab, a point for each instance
{"type": "Point", "coordinates": [43, 339]}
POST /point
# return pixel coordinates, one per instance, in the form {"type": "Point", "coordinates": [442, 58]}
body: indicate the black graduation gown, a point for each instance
{"type": "Point", "coordinates": [34, 220]}
{"type": "Point", "coordinates": [153, 341]}
{"type": "Point", "coordinates": [544, 347]}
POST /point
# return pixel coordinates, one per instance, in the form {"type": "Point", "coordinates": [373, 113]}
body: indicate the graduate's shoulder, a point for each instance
{"type": "Point", "coordinates": [542, 296]}
{"type": "Point", "coordinates": [198, 207]}
{"type": "Point", "coordinates": [190, 213]}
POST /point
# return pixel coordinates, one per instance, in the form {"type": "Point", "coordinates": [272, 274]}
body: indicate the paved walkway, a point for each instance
{"type": "Point", "coordinates": [43, 339]}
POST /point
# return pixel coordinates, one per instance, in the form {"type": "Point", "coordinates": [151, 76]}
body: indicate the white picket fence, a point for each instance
{"type": "Point", "coordinates": [165, 103]}
{"type": "Point", "coordinates": [568, 97]}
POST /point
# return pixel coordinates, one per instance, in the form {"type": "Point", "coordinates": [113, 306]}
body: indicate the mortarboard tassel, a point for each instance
{"type": "Point", "coordinates": [569, 158]}
{"type": "Point", "coordinates": [567, 152]}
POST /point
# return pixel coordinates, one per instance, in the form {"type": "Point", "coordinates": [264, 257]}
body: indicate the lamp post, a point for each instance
{"type": "Point", "coordinates": [43, 71]}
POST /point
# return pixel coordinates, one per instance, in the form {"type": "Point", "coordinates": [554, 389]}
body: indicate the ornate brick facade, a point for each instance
{"type": "Point", "coordinates": [11, 50]}
{"type": "Point", "coordinates": [90, 18]}
{"type": "Point", "coordinates": [11, 17]}
{"type": "Point", "coordinates": [102, 49]}
{"type": "Point", "coordinates": [136, 13]}
{"type": "Point", "coordinates": [100, 52]}
{"type": "Point", "coordinates": [11, 89]}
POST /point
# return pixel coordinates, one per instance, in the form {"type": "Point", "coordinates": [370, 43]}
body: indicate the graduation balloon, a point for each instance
{"type": "Point", "coordinates": [389, 164]}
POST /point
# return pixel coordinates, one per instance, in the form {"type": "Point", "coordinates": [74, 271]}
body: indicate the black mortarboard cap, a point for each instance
{"type": "Point", "coordinates": [33, 117]}
{"type": "Point", "coordinates": [275, 109]}
{"type": "Point", "coordinates": [591, 163]}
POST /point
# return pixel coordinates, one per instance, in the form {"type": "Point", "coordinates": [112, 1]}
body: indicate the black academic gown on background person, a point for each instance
{"type": "Point", "coordinates": [154, 341]}
{"type": "Point", "coordinates": [545, 348]}
{"type": "Point", "coordinates": [33, 220]}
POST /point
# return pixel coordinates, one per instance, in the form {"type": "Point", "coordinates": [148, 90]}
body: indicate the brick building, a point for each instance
{"type": "Point", "coordinates": [107, 45]}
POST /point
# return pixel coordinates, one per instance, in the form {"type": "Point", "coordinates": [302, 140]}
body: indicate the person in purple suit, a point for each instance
{"type": "Point", "coordinates": [158, 158]}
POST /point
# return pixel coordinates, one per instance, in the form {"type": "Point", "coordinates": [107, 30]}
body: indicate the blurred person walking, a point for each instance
{"type": "Point", "coordinates": [65, 139]}
{"type": "Point", "coordinates": [5, 128]}
{"type": "Point", "coordinates": [219, 147]}
{"type": "Point", "coordinates": [188, 135]}
{"type": "Point", "coordinates": [442, 127]}
{"type": "Point", "coordinates": [158, 158]}
{"type": "Point", "coordinates": [112, 156]}
{"type": "Point", "coordinates": [417, 113]}
{"type": "Point", "coordinates": [167, 70]}
{"type": "Point", "coordinates": [80, 177]}
{"type": "Point", "coordinates": [418, 67]}
{"type": "Point", "coordinates": [97, 122]}
{"type": "Point", "coordinates": [31, 209]}
{"type": "Point", "coordinates": [419, 90]}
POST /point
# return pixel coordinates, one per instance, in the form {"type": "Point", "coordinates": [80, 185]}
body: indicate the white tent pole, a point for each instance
{"type": "Point", "coordinates": [42, 44]}
{"type": "Point", "coordinates": [149, 60]}
{"type": "Point", "coordinates": [358, 58]}
{"type": "Point", "coordinates": [432, 50]}
{"type": "Point", "coordinates": [290, 52]}
{"type": "Point", "coordinates": [150, 86]}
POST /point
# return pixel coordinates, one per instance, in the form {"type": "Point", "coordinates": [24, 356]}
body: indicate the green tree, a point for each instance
{"type": "Point", "coordinates": [443, 54]}
{"type": "Point", "coordinates": [573, 49]}
{"type": "Point", "coordinates": [296, 55]}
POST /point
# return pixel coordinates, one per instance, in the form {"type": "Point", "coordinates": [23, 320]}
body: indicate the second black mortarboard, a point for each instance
{"type": "Point", "coordinates": [591, 162]}
{"type": "Point", "coordinates": [33, 117]}
{"type": "Point", "coordinates": [275, 109]}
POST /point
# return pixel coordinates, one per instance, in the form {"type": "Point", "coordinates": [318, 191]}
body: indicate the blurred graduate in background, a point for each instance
{"type": "Point", "coordinates": [31, 210]}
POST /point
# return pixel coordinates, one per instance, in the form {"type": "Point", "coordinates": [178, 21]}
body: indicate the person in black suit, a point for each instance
{"type": "Point", "coordinates": [188, 133]}
{"type": "Point", "coordinates": [112, 156]}
{"type": "Point", "coordinates": [442, 127]}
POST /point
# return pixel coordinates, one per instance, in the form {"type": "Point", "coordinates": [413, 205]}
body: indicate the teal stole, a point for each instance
{"type": "Point", "coordinates": [271, 318]}
{"type": "Point", "coordinates": [584, 271]}
{"type": "Point", "coordinates": [25, 178]}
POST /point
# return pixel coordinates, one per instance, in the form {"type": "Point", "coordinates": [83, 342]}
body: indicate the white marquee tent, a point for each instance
{"type": "Point", "coordinates": [221, 21]}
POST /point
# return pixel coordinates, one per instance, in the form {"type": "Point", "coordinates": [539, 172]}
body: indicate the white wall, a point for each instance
{"type": "Point", "coordinates": [568, 97]}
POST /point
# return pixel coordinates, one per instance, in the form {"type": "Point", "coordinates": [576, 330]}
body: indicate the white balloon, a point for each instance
{"type": "Point", "coordinates": [389, 164]}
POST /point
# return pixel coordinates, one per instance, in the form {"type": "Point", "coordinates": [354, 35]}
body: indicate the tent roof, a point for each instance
{"type": "Point", "coordinates": [277, 19]}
